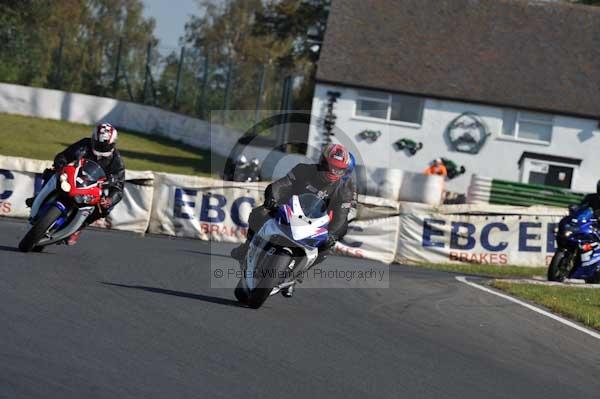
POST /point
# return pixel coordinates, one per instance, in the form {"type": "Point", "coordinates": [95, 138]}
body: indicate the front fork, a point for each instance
{"type": "Point", "coordinates": [568, 263]}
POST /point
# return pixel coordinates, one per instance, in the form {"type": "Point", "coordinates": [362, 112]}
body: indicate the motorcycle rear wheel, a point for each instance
{"type": "Point", "coordinates": [559, 266]}
{"type": "Point", "coordinates": [37, 231]}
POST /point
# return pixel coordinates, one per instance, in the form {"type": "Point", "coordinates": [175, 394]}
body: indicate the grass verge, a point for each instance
{"type": "Point", "coordinates": [580, 304]}
{"type": "Point", "coordinates": [488, 270]}
{"type": "Point", "coordinates": [42, 139]}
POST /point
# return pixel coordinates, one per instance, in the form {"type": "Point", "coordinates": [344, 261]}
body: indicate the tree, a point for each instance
{"type": "Point", "coordinates": [301, 23]}
{"type": "Point", "coordinates": [257, 37]}
{"type": "Point", "coordinates": [72, 44]}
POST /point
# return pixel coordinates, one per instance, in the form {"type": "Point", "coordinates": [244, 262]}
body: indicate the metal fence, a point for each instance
{"type": "Point", "coordinates": [180, 79]}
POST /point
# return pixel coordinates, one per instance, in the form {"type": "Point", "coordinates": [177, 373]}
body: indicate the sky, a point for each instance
{"type": "Point", "coordinates": [170, 16]}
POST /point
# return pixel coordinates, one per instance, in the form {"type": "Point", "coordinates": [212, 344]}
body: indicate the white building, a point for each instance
{"type": "Point", "coordinates": [524, 75]}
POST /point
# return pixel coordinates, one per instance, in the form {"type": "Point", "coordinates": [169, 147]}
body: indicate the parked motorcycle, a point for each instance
{"type": "Point", "coordinates": [242, 170]}
{"type": "Point", "coordinates": [283, 249]}
{"type": "Point", "coordinates": [63, 205]}
{"type": "Point", "coordinates": [578, 252]}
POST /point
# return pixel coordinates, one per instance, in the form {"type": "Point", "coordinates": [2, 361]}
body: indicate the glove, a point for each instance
{"type": "Point", "coordinates": [59, 163]}
{"type": "Point", "coordinates": [331, 240]}
{"type": "Point", "coordinates": [106, 202]}
{"type": "Point", "coordinates": [270, 204]}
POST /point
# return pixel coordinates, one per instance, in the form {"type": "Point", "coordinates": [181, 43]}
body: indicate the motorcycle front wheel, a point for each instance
{"type": "Point", "coordinates": [269, 274]}
{"type": "Point", "coordinates": [559, 266]}
{"type": "Point", "coordinates": [38, 230]}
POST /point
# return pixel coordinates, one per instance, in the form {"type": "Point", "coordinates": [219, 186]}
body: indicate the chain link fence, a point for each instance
{"type": "Point", "coordinates": [179, 79]}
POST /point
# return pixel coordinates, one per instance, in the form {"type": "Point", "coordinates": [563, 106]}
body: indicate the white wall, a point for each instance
{"type": "Point", "coordinates": [90, 110]}
{"type": "Point", "coordinates": [572, 137]}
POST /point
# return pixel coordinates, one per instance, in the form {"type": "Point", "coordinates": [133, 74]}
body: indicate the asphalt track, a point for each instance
{"type": "Point", "coordinates": [121, 316]}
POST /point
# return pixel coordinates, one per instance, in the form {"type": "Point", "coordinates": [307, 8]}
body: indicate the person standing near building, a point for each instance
{"type": "Point", "coordinates": [437, 168]}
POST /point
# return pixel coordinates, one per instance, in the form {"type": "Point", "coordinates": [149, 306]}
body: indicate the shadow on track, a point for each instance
{"type": "Point", "coordinates": [200, 297]}
{"type": "Point", "coordinates": [9, 249]}
{"type": "Point", "coordinates": [207, 253]}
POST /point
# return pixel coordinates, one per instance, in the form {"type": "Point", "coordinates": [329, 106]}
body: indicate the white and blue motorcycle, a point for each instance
{"type": "Point", "coordinates": [283, 249]}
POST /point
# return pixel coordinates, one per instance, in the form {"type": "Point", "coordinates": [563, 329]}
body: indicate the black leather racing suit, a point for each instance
{"type": "Point", "coordinates": [113, 168]}
{"type": "Point", "coordinates": [307, 178]}
{"type": "Point", "coordinates": [593, 201]}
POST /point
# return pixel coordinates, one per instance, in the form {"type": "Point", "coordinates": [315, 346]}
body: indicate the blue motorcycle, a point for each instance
{"type": "Point", "coordinates": [578, 252]}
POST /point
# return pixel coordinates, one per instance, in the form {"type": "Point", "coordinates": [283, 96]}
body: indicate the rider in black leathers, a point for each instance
{"type": "Point", "coordinates": [324, 180]}
{"type": "Point", "coordinates": [593, 200]}
{"type": "Point", "coordinates": [100, 148]}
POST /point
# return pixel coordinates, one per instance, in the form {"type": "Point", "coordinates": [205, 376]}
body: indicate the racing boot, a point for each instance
{"type": "Point", "coordinates": [320, 258]}
{"type": "Point", "coordinates": [239, 253]}
{"type": "Point", "coordinates": [74, 238]}
{"type": "Point", "coordinates": [288, 292]}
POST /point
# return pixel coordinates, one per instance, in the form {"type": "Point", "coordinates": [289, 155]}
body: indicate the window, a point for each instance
{"type": "Point", "coordinates": [550, 170]}
{"type": "Point", "coordinates": [389, 107]}
{"type": "Point", "coordinates": [527, 126]}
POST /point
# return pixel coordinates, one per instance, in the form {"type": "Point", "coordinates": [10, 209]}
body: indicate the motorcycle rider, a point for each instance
{"type": "Point", "coordinates": [436, 168]}
{"type": "Point", "coordinates": [593, 199]}
{"type": "Point", "coordinates": [324, 179]}
{"type": "Point", "coordinates": [100, 148]}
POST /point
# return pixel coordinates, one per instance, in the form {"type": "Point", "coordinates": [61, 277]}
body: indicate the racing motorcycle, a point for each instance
{"type": "Point", "coordinates": [64, 203]}
{"type": "Point", "coordinates": [578, 252]}
{"type": "Point", "coordinates": [283, 249]}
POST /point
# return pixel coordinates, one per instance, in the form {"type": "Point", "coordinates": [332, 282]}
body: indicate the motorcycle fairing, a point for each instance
{"type": "Point", "coordinates": [302, 227]}
{"type": "Point", "coordinates": [48, 189]}
{"type": "Point", "coordinates": [269, 231]}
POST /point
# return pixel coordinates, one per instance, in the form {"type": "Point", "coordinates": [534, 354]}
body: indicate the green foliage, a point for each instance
{"type": "Point", "coordinates": [252, 35]}
{"type": "Point", "coordinates": [299, 22]}
{"type": "Point", "coordinates": [72, 44]}
{"type": "Point", "coordinates": [487, 270]}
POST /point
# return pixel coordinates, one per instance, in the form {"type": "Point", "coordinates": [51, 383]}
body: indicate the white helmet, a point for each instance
{"type": "Point", "coordinates": [104, 139]}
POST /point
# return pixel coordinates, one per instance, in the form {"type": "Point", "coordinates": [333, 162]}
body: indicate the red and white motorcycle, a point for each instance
{"type": "Point", "coordinates": [64, 203]}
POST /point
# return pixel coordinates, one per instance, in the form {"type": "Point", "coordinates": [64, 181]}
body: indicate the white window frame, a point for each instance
{"type": "Point", "coordinates": [515, 135]}
{"type": "Point", "coordinates": [530, 164]}
{"type": "Point", "coordinates": [387, 119]}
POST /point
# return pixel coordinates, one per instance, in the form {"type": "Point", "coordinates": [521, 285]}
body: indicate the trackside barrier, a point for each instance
{"type": "Point", "coordinates": [486, 234]}
{"type": "Point", "coordinates": [399, 185]}
{"type": "Point", "coordinates": [89, 110]}
{"type": "Point", "coordinates": [203, 208]}
{"type": "Point", "coordinates": [492, 191]}
{"type": "Point", "coordinates": [384, 230]}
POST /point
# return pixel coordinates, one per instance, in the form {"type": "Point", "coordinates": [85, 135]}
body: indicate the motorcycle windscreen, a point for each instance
{"type": "Point", "coordinates": [307, 217]}
{"type": "Point", "coordinates": [89, 173]}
